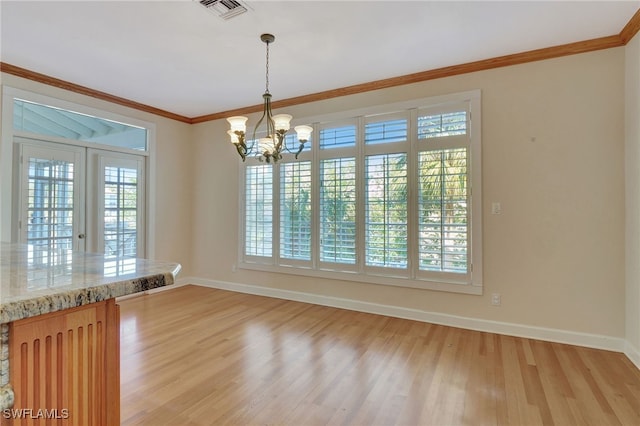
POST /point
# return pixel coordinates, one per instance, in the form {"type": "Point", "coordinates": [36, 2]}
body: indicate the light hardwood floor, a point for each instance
{"type": "Point", "coordinates": [200, 356]}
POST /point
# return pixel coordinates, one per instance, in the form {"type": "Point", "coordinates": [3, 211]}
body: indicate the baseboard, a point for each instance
{"type": "Point", "coordinates": [632, 353]}
{"type": "Point", "coordinates": [178, 283]}
{"type": "Point", "coordinates": [511, 329]}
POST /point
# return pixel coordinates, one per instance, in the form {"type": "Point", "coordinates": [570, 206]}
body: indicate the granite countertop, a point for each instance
{"type": "Point", "coordinates": [36, 281]}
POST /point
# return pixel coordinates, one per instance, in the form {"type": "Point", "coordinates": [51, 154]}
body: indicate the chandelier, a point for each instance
{"type": "Point", "coordinates": [270, 147]}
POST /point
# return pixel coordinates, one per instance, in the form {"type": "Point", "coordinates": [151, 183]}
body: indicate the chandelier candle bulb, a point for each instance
{"type": "Point", "coordinates": [236, 132]}
{"type": "Point", "coordinates": [266, 146]}
{"type": "Point", "coordinates": [238, 123]}
{"type": "Point", "coordinates": [304, 132]}
{"type": "Point", "coordinates": [282, 121]}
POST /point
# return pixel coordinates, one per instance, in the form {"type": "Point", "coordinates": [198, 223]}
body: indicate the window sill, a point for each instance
{"type": "Point", "coordinates": [474, 288]}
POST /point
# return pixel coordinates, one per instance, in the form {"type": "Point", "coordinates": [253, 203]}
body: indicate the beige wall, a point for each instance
{"type": "Point", "coordinates": [173, 181]}
{"type": "Point", "coordinates": [632, 167]}
{"type": "Point", "coordinates": [556, 253]}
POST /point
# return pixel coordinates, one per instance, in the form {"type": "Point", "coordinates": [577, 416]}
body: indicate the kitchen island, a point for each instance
{"type": "Point", "coordinates": [59, 331]}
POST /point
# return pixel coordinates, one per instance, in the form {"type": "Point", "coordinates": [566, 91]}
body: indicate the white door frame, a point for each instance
{"type": "Point", "coordinates": [9, 157]}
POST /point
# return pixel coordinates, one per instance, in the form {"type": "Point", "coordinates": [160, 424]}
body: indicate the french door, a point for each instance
{"type": "Point", "coordinates": [116, 223]}
{"type": "Point", "coordinates": [50, 196]}
{"type": "Point", "coordinates": [77, 198]}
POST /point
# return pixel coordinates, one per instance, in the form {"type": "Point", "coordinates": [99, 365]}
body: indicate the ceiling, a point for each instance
{"type": "Point", "coordinates": [185, 59]}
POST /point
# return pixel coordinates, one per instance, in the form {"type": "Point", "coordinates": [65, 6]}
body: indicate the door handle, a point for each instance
{"type": "Point", "coordinates": [81, 236]}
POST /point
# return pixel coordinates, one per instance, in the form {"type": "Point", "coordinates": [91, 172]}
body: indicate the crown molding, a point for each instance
{"type": "Point", "coordinates": [628, 32]}
{"type": "Point", "coordinates": [62, 84]}
{"type": "Point", "coordinates": [469, 67]}
{"type": "Point", "coordinates": [631, 29]}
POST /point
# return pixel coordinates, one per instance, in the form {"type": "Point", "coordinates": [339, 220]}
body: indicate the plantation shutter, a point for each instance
{"type": "Point", "coordinates": [338, 137]}
{"type": "Point", "coordinates": [386, 210]}
{"type": "Point", "coordinates": [338, 210]}
{"type": "Point", "coordinates": [383, 132]}
{"type": "Point", "coordinates": [295, 210]}
{"type": "Point", "coordinates": [443, 195]}
{"type": "Point", "coordinates": [258, 211]}
{"type": "Point", "coordinates": [386, 186]}
{"type": "Point", "coordinates": [383, 196]}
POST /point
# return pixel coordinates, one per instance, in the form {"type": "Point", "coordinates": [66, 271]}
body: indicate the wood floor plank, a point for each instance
{"type": "Point", "coordinates": [200, 356]}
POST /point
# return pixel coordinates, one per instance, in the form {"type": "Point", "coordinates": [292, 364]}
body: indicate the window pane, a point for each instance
{"type": "Point", "coordinates": [51, 121]}
{"type": "Point", "coordinates": [50, 205]}
{"type": "Point", "coordinates": [338, 210]}
{"type": "Point", "coordinates": [439, 125]}
{"type": "Point", "coordinates": [443, 210]}
{"type": "Point", "coordinates": [386, 210]}
{"type": "Point", "coordinates": [385, 132]}
{"type": "Point", "coordinates": [259, 211]}
{"type": "Point", "coordinates": [339, 137]}
{"type": "Point", "coordinates": [120, 211]}
{"type": "Point", "coordinates": [295, 210]}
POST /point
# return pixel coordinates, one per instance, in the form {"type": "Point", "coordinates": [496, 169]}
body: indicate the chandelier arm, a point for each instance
{"type": "Point", "coordinates": [270, 125]}
{"type": "Point", "coordinates": [248, 149]}
{"type": "Point", "coordinates": [300, 148]}
{"type": "Point", "coordinates": [286, 148]}
{"type": "Point", "coordinates": [242, 150]}
{"type": "Point", "coordinates": [279, 141]}
{"type": "Point", "coordinates": [266, 113]}
{"type": "Point", "coordinates": [255, 129]}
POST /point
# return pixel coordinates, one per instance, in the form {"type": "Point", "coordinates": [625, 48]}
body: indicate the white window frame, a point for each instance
{"type": "Point", "coordinates": [8, 212]}
{"type": "Point", "coordinates": [300, 263]}
{"type": "Point", "coordinates": [412, 277]}
{"type": "Point", "coordinates": [331, 154]}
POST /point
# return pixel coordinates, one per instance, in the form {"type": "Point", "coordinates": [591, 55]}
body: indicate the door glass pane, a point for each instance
{"type": "Point", "coordinates": [49, 215]}
{"type": "Point", "coordinates": [120, 211]}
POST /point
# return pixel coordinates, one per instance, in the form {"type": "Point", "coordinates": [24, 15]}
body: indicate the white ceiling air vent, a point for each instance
{"type": "Point", "coordinates": [224, 8]}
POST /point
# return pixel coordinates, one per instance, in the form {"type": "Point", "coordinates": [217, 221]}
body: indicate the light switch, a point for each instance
{"type": "Point", "coordinates": [496, 208]}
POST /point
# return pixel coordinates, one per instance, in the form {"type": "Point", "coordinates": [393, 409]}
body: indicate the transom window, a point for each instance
{"type": "Point", "coordinates": [379, 197]}
{"type": "Point", "coordinates": [48, 120]}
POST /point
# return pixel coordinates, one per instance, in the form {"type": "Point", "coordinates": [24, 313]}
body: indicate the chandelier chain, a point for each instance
{"type": "Point", "coordinates": [267, 70]}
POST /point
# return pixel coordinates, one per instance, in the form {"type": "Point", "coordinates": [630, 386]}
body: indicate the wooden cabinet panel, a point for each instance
{"type": "Point", "coordinates": [64, 367]}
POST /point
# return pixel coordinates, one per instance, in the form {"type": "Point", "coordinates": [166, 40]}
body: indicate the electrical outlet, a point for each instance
{"type": "Point", "coordinates": [496, 208]}
{"type": "Point", "coordinates": [495, 299]}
